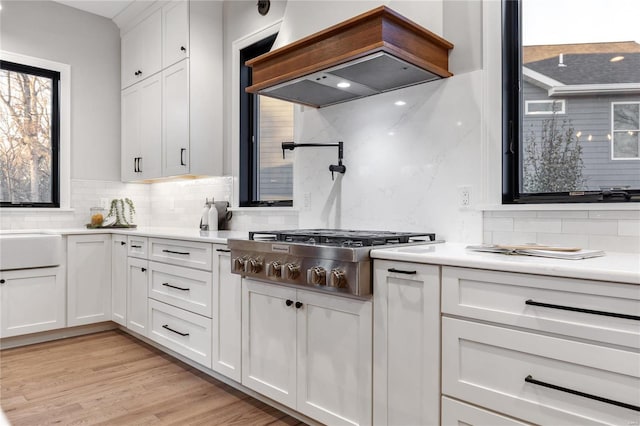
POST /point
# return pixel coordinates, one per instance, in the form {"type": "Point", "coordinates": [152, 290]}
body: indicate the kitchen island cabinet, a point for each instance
{"type": "Point", "coordinates": [88, 279]}
{"type": "Point", "coordinates": [309, 351]}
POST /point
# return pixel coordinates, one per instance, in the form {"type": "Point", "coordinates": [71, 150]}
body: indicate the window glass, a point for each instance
{"type": "Point", "coordinates": [28, 136]}
{"type": "Point", "coordinates": [572, 100]}
{"type": "Point", "coordinates": [275, 173]}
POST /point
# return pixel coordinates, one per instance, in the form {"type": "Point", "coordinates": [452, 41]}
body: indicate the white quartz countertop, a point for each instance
{"type": "Point", "coordinates": [218, 237]}
{"type": "Point", "coordinates": [616, 267]}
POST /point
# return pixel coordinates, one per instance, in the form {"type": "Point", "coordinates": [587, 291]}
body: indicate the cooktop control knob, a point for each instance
{"type": "Point", "coordinates": [292, 271]}
{"type": "Point", "coordinates": [317, 276]}
{"type": "Point", "coordinates": [274, 269]}
{"type": "Point", "coordinates": [238, 264]}
{"type": "Point", "coordinates": [253, 265]}
{"type": "Point", "coordinates": [338, 278]}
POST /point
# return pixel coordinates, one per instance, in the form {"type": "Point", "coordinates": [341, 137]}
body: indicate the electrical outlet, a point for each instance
{"type": "Point", "coordinates": [464, 196]}
{"type": "Point", "coordinates": [104, 203]}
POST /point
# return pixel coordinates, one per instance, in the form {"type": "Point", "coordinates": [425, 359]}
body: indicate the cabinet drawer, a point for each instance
{"type": "Point", "coordinates": [580, 308]}
{"type": "Point", "coordinates": [456, 413]}
{"type": "Point", "coordinates": [138, 247]}
{"type": "Point", "coordinates": [181, 253]}
{"type": "Point", "coordinates": [494, 367]}
{"type": "Point", "coordinates": [185, 288]}
{"type": "Point", "coordinates": [184, 332]}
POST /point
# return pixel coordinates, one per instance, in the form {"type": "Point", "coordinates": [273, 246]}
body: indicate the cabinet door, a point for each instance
{"type": "Point", "coordinates": [406, 359]}
{"type": "Point", "coordinates": [150, 162]}
{"type": "Point", "coordinates": [119, 279]}
{"type": "Point", "coordinates": [88, 279]}
{"type": "Point", "coordinates": [137, 295]}
{"type": "Point", "coordinates": [31, 300]}
{"type": "Point", "coordinates": [130, 133]}
{"type": "Point", "coordinates": [269, 340]}
{"type": "Point", "coordinates": [227, 318]}
{"type": "Point", "coordinates": [175, 32]}
{"type": "Point", "coordinates": [334, 346]}
{"type": "Point", "coordinates": [175, 113]}
{"type": "Point", "coordinates": [142, 50]}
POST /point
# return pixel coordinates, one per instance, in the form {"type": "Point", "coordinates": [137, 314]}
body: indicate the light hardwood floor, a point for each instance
{"type": "Point", "coordinates": [112, 378]}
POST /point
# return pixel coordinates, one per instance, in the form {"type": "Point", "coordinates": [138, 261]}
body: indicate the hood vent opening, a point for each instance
{"type": "Point", "coordinates": [372, 53]}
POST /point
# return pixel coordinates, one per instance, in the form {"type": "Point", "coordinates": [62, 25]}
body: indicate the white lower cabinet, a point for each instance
{"type": "Point", "coordinates": [32, 300]}
{"type": "Point", "coordinates": [406, 355]}
{"type": "Point", "coordinates": [226, 316]}
{"type": "Point", "coordinates": [88, 279]}
{"type": "Point", "coordinates": [456, 413]}
{"type": "Point", "coordinates": [308, 351]}
{"type": "Point", "coordinates": [119, 279]}
{"type": "Point", "coordinates": [138, 279]}
{"type": "Point", "coordinates": [184, 332]}
{"type": "Point", "coordinates": [544, 350]}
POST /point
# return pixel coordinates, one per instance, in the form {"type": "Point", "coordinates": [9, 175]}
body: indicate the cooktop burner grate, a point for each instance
{"type": "Point", "coordinates": [341, 237]}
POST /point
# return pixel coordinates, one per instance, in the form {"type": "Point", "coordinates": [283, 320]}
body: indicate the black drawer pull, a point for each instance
{"type": "Point", "coordinates": [177, 332]}
{"type": "Point", "coordinates": [299, 305]}
{"type": "Point", "coordinates": [400, 271]}
{"type": "Point", "coordinates": [184, 253]}
{"type": "Point", "coordinates": [289, 302]}
{"type": "Point", "coordinates": [223, 250]}
{"type": "Point", "coordinates": [586, 311]}
{"type": "Point", "coordinates": [530, 379]}
{"type": "Point", "coordinates": [143, 269]}
{"type": "Point", "coordinates": [122, 243]}
{"type": "Point", "coordinates": [2, 281]}
{"type": "Point", "coordinates": [176, 287]}
{"type": "Point", "coordinates": [132, 246]}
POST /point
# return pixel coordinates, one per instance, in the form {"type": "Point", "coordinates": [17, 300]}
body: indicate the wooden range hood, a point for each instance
{"type": "Point", "coordinates": [374, 52]}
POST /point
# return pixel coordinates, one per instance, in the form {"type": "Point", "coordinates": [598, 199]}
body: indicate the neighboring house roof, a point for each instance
{"type": "Point", "coordinates": [591, 68]}
{"type": "Point", "coordinates": [583, 68]}
{"type": "Point", "coordinates": [546, 51]}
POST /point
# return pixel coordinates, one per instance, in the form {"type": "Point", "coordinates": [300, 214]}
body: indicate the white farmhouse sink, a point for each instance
{"type": "Point", "coordinates": [29, 250]}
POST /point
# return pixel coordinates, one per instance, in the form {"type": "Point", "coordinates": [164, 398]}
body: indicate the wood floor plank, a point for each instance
{"type": "Point", "coordinates": [112, 378]}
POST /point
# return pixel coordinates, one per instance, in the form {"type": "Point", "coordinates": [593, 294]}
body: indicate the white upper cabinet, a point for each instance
{"type": "Point", "coordinates": [142, 130]}
{"type": "Point", "coordinates": [175, 119]}
{"type": "Point", "coordinates": [142, 50]}
{"type": "Point", "coordinates": [175, 32]}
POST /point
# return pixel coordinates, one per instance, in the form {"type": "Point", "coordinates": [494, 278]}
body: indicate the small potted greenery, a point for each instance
{"type": "Point", "coordinates": [121, 214]}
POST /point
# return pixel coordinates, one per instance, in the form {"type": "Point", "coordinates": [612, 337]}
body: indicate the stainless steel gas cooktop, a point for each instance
{"type": "Point", "coordinates": [334, 260]}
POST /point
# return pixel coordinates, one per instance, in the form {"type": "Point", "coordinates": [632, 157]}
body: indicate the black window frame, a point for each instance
{"type": "Point", "coordinates": [249, 111]}
{"type": "Point", "coordinates": [512, 108]}
{"type": "Point", "coordinates": [55, 133]}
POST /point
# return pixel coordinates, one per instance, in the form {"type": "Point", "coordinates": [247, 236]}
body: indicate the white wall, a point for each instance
{"type": "Point", "coordinates": [90, 44]}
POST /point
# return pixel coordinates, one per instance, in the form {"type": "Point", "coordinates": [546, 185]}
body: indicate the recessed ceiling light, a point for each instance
{"type": "Point", "coordinates": [344, 85]}
{"type": "Point", "coordinates": [400, 103]}
{"type": "Point", "coordinates": [590, 138]}
{"type": "Point", "coordinates": [616, 59]}
{"type": "Point", "coordinates": [578, 134]}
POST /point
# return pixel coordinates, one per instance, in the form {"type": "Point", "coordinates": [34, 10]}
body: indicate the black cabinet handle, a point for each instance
{"type": "Point", "coordinates": [530, 379]}
{"type": "Point", "coordinates": [585, 311]}
{"type": "Point", "coordinates": [288, 302]}
{"type": "Point", "coordinates": [137, 72]}
{"type": "Point", "coordinates": [135, 164]}
{"type": "Point", "coordinates": [122, 243]}
{"type": "Point", "coordinates": [132, 246]}
{"type": "Point", "coordinates": [182, 151]}
{"type": "Point", "coordinates": [224, 250]}
{"type": "Point", "coordinates": [143, 269]}
{"type": "Point", "coordinates": [298, 305]}
{"type": "Point", "coordinates": [177, 332]}
{"type": "Point", "coordinates": [184, 253]}
{"type": "Point", "coordinates": [2, 281]}
{"type": "Point", "coordinates": [176, 287]}
{"type": "Point", "coordinates": [183, 49]}
{"type": "Point", "coordinates": [139, 162]}
{"type": "Point", "coordinates": [400, 271]}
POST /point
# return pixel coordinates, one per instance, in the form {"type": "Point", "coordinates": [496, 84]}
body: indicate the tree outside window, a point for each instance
{"type": "Point", "coordinates": [29, 136]}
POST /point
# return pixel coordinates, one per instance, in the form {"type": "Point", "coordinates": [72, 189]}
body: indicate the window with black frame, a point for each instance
{"type": "Point", "coordinates": [266, 176]}
{"type": "Point", "coordinates": [571, 101]}
{"type": "Point", "coordinates": [29, 136]}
